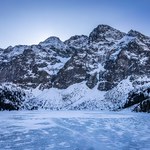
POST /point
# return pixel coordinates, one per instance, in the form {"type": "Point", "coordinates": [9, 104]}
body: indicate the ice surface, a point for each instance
{"type": "Point", "coordinates": [74, 130]}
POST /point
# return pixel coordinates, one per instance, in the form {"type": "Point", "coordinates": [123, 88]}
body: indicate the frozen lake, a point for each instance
{"type": "Point", "coordinates": [74, 130]}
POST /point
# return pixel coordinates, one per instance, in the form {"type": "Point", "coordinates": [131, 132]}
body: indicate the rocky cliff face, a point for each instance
{"type": "Point", "coordinates": [98, 71]}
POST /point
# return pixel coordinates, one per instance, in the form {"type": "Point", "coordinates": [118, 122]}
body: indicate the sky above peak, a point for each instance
{"type": "Point", "coordinates": [32, 21]}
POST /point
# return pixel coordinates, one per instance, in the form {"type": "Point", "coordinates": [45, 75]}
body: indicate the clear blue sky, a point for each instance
{"type": "Point", "coordinates": [31, 21]}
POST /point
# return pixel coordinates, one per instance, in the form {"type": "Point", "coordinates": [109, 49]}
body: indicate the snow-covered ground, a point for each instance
{"type": "Point", "coordinates": [74, 130]}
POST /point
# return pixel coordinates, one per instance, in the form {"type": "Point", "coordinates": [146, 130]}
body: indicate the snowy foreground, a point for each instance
{"type": "Point", "coordinates": [74, 130]}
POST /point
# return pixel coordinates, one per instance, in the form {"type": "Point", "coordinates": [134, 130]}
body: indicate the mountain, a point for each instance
{"type": "Point", "coordinates": [107, 70]}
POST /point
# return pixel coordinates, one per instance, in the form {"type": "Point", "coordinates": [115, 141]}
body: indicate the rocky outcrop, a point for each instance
{"type": "Point", "coordinates": [140, 98]}
{"type": "Point", "coordinates": [144, 106]}
{"type": "Point", "coordinates": [77, 42]}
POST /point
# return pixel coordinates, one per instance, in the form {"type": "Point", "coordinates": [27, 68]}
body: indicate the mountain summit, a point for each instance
{"type": "Point", "coordinates": [107, 70]}
{"type": "Point", "coordinates": [105, 33]}
{"type": "Point", "coordinates": [52, 42]}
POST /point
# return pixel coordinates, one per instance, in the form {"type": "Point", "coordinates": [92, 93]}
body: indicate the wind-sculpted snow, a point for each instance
{"type": "Point", "coordinates": [74, 130]}
{"type": "Point", "coordinates": [77, 96]}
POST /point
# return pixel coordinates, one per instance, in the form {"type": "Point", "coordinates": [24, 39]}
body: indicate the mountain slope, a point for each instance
{"type": "Point", "coordinates": [99, 71]}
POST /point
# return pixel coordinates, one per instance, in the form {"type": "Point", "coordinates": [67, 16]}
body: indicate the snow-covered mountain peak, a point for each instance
{"type": "Point", "coordinates": [123, 42]}
{"type": "Point", "coordinates": [105, 33]}
{"type": "Point", "coordinates": [135, 33]}
{"type": "Point", "coordinates": [141, 38]}
{"type": "Point", "coordinates": [53, 42]}
{"type": "Point", "coordinates": [77, 41]}
{"type": "Point", "coordinates": [11, 52]}
{"type": "Point", "coordinates": [9, 47]}
{"type": "Point", "coordinates": [104, 27]}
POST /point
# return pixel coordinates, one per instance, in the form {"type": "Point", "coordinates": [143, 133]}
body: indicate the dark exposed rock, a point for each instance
{"type": "Point", "coordinates": [140, 36]}
{"type": "Point", "coordinates": [73, 72]}
{"type": "Point", "coordinates": [128, 62]}
{"type": "Point", "coordinates": [105, 86]}
{"type": "Point", "coordinates": [140, 98]}
{"type": "Point", "coordinates": [92, 81]}
{"type": "Point", "coordinates": [77, 41]}
{"type": "Point", "coordinates": [144, 106]}
{"type": "Point", "coordinates": [135, 98]}
{"type": "Point", "coordinates": [105, 33]}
